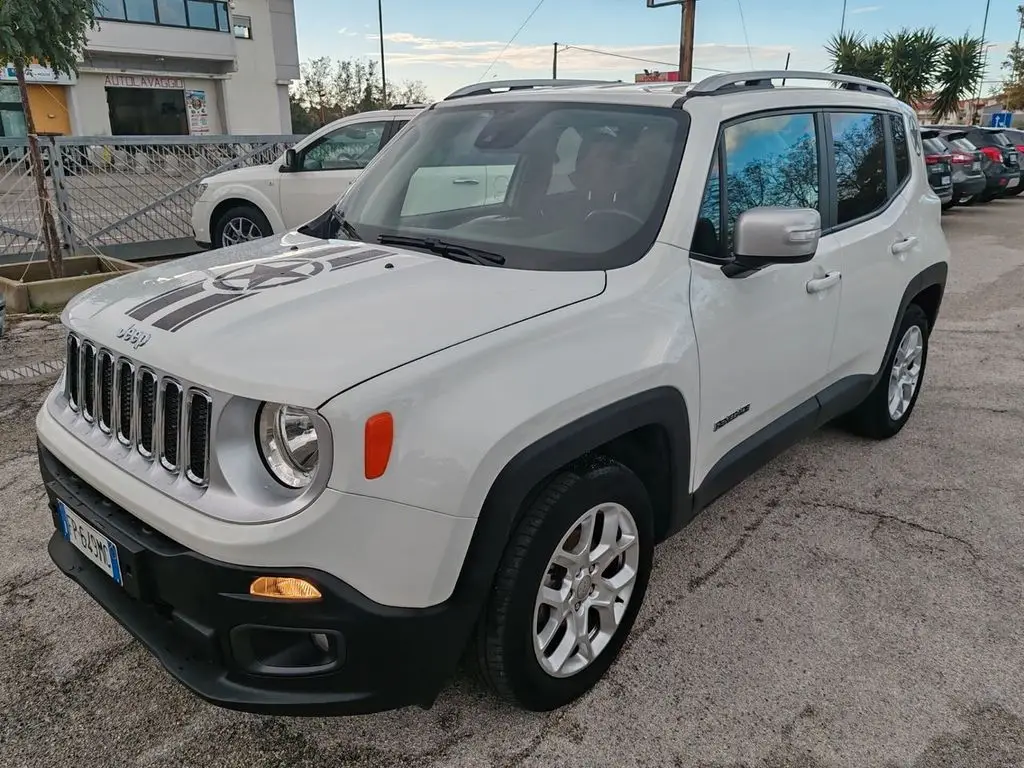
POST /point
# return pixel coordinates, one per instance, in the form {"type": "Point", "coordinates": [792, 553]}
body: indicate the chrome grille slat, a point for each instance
{"type": "Point", "coordinates": [146, 412]}
{"type": "Point", "coordinates": [124, 386]}
{"type": "Point", "coordinates": [162, 418]}
{"type": "Point", "coordinates": [87, 377]}
{"type": "Point", "coordinates": [171, 397]}
{"type": "Point", "coordinates": [197, 437]}
{"type": "Point", "coordinates": [71, 380]}
{"type": "Point", "coordinates": [105, 391]}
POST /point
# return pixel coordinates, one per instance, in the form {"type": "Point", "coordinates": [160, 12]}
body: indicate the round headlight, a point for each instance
{"type": "Point", "coordinates": [289, 443]}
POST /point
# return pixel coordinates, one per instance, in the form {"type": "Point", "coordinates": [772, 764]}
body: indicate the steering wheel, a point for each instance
{"type": "Point", "coordinates": [615, 211]}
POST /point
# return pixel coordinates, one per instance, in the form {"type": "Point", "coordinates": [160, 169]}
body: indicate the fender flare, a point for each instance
{"type": "Point", "coordinates": [510, 492]}
{"type": "Point", "coordinates": [933, 275]}
{"type": "Point", "coordinates": [247, 196]}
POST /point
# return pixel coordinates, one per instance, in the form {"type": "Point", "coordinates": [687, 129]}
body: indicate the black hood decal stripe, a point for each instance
{"type": "Point", "coordinates": [164, 300]}
{"type": "Point", "coordinates": [182, 316]}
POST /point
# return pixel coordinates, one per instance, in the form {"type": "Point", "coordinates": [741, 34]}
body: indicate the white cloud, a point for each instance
{"type": "Point", "coordinates": [413, 50]}
{"type": "Point", "coordinates": [865, 9]}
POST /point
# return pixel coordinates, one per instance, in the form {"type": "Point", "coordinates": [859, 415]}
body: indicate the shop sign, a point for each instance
{"type": "Point", "coordinates": [144, 81]}
{"type": "Point", "coordinates": [36, 73]}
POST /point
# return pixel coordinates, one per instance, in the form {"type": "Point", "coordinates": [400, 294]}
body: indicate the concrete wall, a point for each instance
{"type": "Point", "coordinates": [121, 37]}
{"type": "Point", "coordinates": [252, 95]}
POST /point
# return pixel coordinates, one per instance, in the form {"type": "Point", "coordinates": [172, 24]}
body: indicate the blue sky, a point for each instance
{"type": "Point", "coordinates": [448, 43]}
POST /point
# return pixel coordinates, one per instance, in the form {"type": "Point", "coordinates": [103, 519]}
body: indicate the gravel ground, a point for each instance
{"type": "Point", "coordinates": [853, 604]}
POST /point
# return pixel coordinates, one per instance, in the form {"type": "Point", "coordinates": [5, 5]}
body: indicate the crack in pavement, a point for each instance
{"type": "Point", "coordinates": [882, 517]}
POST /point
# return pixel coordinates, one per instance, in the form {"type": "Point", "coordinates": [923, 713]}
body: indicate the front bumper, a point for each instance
{"type": "Point", "coordinates": [202, 227]}
{"type": "Point", "coordinates": [196, 616]}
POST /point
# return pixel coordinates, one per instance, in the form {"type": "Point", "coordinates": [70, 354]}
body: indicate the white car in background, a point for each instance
{"type": "Point", "coordinates": [251, 203]}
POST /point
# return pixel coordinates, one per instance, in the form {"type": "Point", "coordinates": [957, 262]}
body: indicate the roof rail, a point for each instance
{"type": "Point", "coordinates": [729, 82]}
{"type": "Point", "coordinates": [408, 106]}
{"type": "Point", "coordinates": [503, 86]}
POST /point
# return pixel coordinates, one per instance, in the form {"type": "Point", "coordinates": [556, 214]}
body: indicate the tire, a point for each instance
{"type": "Point", "coordinates": [504, 652]}
{"type": "Point", "coordinates": [249, 218]}
{"type": "Point", "coordinates": [949, 205]}
{"type": "Point", "coordinates": [874, 418]}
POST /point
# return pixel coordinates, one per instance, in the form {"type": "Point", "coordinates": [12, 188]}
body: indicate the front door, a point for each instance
{"type": "Point", "coordinates": [326, 167]}
{"type": "Point", "coordinates": [763, 340]}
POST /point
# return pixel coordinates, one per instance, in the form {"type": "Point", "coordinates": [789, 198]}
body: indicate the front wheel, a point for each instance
{"type": "Point", "coordinates": [240, 224]}
{"type": "Point", "coordinates": [569, 586]}
{"type": "Point", "coordinates": [887, 409]}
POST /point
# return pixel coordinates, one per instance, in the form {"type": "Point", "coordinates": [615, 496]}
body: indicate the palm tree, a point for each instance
{"type": "Point", "coordinates": [852, 54]}
{"type": "Point", "coordinates": [911, 60]}
{"type": "Point", "coordinates": [960, 71]}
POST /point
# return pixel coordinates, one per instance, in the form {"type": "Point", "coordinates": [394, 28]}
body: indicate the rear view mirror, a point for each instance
{"type": "Point", "coordinates": [770, 235]}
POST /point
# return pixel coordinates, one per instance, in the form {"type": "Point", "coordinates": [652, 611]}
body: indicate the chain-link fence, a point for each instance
{"type": "Point", "coordinates": [126, 197]}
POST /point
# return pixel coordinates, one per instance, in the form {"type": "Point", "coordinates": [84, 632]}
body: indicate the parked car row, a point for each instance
{"type": "Point", "coordinates": [970, 164]}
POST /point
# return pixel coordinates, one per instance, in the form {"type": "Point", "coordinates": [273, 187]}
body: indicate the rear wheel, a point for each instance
{"type": "Point", "coordinates": [887, 409]}
{"type": "Point", "coordinates": [240, 224]}
{"type": "Point", "coordinates": [569, 586]}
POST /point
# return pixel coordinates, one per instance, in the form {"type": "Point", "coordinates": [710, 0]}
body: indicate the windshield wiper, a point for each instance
{"type": "Point", "coordinates": [443, 248]}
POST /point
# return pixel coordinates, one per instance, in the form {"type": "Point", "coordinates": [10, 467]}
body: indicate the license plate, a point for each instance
{"type": "Point", "coordinates": [1012, 183]}
{"type": "Point", "coordinates": [977, 165]}
{"type": "Point", "coordinates": [946, 180]}
{"type": "Point", "coordinates": [1012, 156]}
{"type": "Point", "coordinates": [90, 542]}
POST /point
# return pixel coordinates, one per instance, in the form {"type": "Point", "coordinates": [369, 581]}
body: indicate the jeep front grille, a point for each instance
{"type": "Point", "coordinates": [151, 413]}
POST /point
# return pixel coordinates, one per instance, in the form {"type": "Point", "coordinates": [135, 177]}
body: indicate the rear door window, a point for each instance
{"type": "Point", "coordinates": [900, 148]}
{"type": "Point", "coordinates": [858, 139]}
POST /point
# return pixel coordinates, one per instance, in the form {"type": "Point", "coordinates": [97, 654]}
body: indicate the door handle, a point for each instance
{"type": "Point", "coordinates": [465, 181]}
{"type": "Point", "coordinates": [819, 284]}
{"type": "Point", "coordinates": [902, 246]}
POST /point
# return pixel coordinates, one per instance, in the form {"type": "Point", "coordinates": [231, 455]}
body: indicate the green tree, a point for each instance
{"type": "Point", "coordinates": [960, 70]}
{"type": "Point", "coordinates": [302, 121]}
{"type": "Point", "coordinates": [910, 63]}
{"type": "Point", "coordinates": [50, 33]}
{"type": "Point", "coordinates": [1013, 84]}
{"type": "Point", "coordinates": [853, 54]}
{"type": "Point", "coordinates": [409, 92]}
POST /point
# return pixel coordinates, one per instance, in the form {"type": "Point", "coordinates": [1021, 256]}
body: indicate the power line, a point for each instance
{"type": "Point", "coordinates": [511, 40]}
{"type": "Point", "coordinates": [636, 58]}
{"type": "Point", "coordinates": [743, 23]}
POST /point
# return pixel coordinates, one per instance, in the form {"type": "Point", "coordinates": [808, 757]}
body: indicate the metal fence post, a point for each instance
{"type": "Point", "coordinates": [62, 199]}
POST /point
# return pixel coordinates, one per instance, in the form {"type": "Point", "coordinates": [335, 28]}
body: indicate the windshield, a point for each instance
{"type": "Point", "coordinates": [934, 147]}
{"type": "Point", "coordinates": [546, 185]}
{"type": "Point", "coordinates": [1000, 139]}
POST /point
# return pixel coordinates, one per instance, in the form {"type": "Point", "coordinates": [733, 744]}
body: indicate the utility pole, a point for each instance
{"type": "Point", "coordinates": [842, 22]}
{"type": "Point", "coordinates": [984, 58]}
{"type": "Point", "coordinates": [383, 76]}
{"type": "Point", "coordinates": [689, 8]}
{"type": "Point", "coordinates": [554, 63]}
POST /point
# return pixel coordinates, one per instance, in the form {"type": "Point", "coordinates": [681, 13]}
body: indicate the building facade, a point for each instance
{"type": "Point", "coordinates": [169, 67]}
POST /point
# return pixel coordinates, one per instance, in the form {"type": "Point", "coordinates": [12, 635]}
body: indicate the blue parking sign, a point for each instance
{"type": "Point", "coordinates": [1002, 119]}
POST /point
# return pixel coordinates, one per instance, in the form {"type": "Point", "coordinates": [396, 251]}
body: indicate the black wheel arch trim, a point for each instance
{"type": "Point", "coordinates": [933, 275]}
{"type": "Point", "coordinates": [234, 202]}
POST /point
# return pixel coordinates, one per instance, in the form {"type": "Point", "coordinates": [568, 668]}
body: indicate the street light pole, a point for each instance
{"type": "Point", "coordinates": [383, 75]}
{"type": "Point", "coordinates": [984, 66]}
{"type": "Point", "coordinates": [842, 22]}
{"type": "Point", "coordinates": [554, 63]}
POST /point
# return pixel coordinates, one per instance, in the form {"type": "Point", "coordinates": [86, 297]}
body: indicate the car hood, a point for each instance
{"type": "Point", "coordinates": [296, 319]}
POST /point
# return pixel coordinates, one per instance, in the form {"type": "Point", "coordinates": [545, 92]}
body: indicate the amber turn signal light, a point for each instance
{"type": "Point", "coordinates": [379, 435]}
{"type": "Point", "coordinates": [284, 588]}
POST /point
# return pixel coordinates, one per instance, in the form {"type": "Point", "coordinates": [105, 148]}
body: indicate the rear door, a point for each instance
{"type": "Point", "coordinates": [326, 167]}
{"type": "Point", "coordinates": [877, 214]}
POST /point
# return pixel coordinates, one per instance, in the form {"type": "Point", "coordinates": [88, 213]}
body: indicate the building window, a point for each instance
{"type": "Point", "coordinates": [195, 14]}
{"type": "Point", "coordinates": [242, 27]}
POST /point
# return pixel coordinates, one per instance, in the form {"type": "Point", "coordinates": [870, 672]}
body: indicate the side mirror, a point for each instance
{"type": "Point", "coordinates": [291, 160]}
{"type": "Point", "coordinates": [770, 235]}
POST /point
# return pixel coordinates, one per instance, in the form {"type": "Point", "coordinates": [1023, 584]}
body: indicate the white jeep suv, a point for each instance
{"type": "Point", "coordinates": [313, 472]}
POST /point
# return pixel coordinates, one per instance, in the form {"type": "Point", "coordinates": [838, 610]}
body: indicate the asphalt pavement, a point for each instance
{"type": "Point", "coordinates": [852, 604]}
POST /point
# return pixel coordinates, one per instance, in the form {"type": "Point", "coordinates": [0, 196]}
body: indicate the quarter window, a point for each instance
{"type": "Point", "coordinates": [770, 161]}
{"type": "Point", "coordinates": [900, 148]}
{"type": "Point", "coordinates": [859, 158]}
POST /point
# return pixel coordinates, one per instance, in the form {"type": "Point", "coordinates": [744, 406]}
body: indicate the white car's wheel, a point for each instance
{"type": "Point", "coordinates": [569, 586]}
{"type": "Point", "coordinates": [240, 224]}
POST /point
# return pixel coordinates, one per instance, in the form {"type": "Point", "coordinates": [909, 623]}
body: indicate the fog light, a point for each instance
{"type": "Point", "coordinates": [320, 641]}
{"type": "Point", "coordinates": [284, 588]}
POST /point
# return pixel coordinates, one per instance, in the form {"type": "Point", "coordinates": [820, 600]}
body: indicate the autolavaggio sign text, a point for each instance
{"type": "Point", "coordinates": [143, 81]}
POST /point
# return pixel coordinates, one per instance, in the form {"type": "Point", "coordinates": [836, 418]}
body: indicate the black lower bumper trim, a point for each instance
{"type": "Point", "coordinates": [257, 655]}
